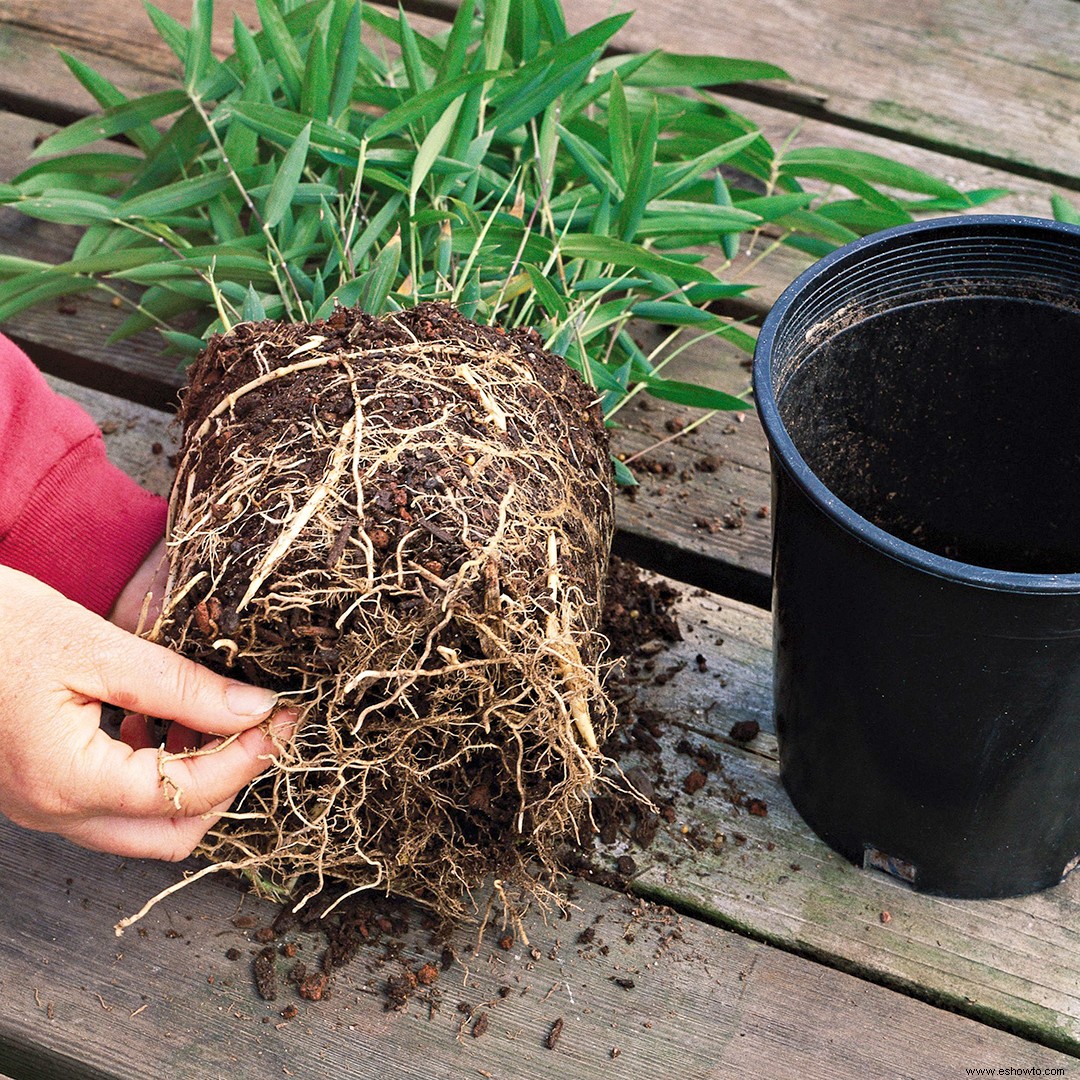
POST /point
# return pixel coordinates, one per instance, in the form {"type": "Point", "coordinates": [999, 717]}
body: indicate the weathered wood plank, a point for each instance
{"type": "Point", "coordinates": [694, 1001]}
{"type": "Point", "coordinates": [999, 82]}
{"type": "Point", "coordinates": [1009, 962]}
{"type": "Point", "coordinates": [1012, 962]}
{"type": "Point", "coordinates": [993, 80]}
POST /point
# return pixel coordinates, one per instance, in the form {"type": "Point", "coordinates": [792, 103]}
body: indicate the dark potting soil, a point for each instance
{"type": "Point", "coordinates": [951, 425]}
{"type": "Point", "coordinates": [396, 505]}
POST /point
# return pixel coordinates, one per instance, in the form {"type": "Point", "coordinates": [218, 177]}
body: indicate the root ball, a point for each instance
{"type": "Point", "coordinates": [402, 525]}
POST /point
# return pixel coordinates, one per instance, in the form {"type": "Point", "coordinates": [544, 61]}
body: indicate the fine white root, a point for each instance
{"type": "Point", "coordinates": [206, 871]}
{"type": "Point", "coordinates": [569, 657]}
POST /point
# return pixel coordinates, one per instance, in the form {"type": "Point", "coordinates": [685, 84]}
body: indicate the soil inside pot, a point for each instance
{"type": "Point", "coordinates": [951, 424]}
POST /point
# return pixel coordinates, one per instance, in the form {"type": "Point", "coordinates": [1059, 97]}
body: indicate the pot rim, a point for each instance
{"type": "Point", "coordinates": [788, 457]}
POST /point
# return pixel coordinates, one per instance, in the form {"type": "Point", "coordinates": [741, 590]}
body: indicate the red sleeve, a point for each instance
{"type": "Point", "coordinates": [68, 516]}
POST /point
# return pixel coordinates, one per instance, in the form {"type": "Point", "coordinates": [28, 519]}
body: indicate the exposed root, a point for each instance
{"type": "Point", "coordinates": [405, 532]}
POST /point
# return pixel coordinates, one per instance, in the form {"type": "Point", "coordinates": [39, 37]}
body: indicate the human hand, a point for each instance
{"type": "Point", "coordinates": [147, 582]}
{"type": "Point", "coordinates": [60, 772]}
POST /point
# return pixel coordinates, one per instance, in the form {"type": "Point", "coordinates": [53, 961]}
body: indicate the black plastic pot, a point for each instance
{"type": "Point", "coordinates": [920, 391]}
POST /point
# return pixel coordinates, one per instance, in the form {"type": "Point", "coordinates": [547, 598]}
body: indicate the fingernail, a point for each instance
{"type": "Point", "coordinates": [245, 700]}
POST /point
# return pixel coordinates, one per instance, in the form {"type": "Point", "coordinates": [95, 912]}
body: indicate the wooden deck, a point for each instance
{"type": "Point", "coordinates": [744, 947]}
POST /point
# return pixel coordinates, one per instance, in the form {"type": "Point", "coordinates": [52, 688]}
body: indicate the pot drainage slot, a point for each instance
{"type": "Point", "coordinates": [1070, 866]}
{"type": "Point", "coordinates": [875, 859]}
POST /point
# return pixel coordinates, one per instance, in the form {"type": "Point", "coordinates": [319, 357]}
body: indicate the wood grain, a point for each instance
{"type": "Point", "coordinates": [692, 1000]}
{"type": "Point", "coordinates": [1010, 962]}
{"type": "Point", "coordinates": [999, 82]}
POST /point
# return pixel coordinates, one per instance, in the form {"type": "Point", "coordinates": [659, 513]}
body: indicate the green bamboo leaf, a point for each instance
{"type": "Point", "coordinates": [832, 174]}
{"type": "Point", "coordinates": [549, 299]}
{"type": "Point", "coordinates": [720, 290]}
{"type": "Point", "coordinates": [590, 162]}
{"type": "Point", "coordinates": [348, 62]}
{"type": "Point", "coordinates": [346, 295]}
{"type": "Point", "coordinates": [672, 177]}
{"type": "Point", "coordinates": [722, 197]}
{"type": "Point", "coordinates": [253, 310]}
{"type": "Point", "coordinates": [814, 224]}
{"type": "Point", "coordinates": [283, 48]}
{"type": "Point", "coordinates": [444, 250]}
{"type": "Point", "coordinates": [48, 182]}
{"type": "Point", "coordinates": [432, 147]}
{"type": "Point", "coordinates": [966, 200]}
{"type": "Point", "coordinates": [24, 292]}
{"type": "Point", "coordinates": [156, 306]}
{"type": "Point", "coordinates": [523, 36]}
{"type": "Point", "coordinates": [375, 228]}
{"type": "Point", "coordinates": [379, 280]}
{"type": "Point", "coordinates": [469, 301]}
{"type": "Point", "coordinates": [862, 217]}
{"type": "Point", "coordinates": [452, 62]}
{"type": "Point", "coordinates": [547, 147]}
{"type": "Point", "coordinates": [429, 103]}
{"type": "Point", "coordinates": [536, 85]}
{"type": "Point", "coordinates": [15, 265]}
{"type": "Point", "coordinates": [620, 136]}
{"type": "Point", "coordinates": [671, 218]}
{"type": "Point", "coordinates": [250, 63]}
{"type": "Point", "coordinates": [284, 126]}
{"type": "Point", "coordinates": [410, 54]}
{"type": "Point", "coordinates": [173, 33]}
{"type": "Point", "coordinates": [673, 313]}
{"type": "Point", "coordinates": [623, 476]}
{"type": "Point", "coordinates": [241, 267]}
{"type": "Point", "coordinates": [391, 28]}
{"type": "Point", "coordinates": [604, 378]}
{"type": "Point", "coordinates": [496, 17]}
{"type": "Point", "coordinates": [1064, 210]}
{"type": "Point", "coordinates": [186, 344]}
{"type": "Point", "coordinates": [599, 83]}
{"type": "Point", "coordinates": [671, 69]}
{"type": "Point", "coordinates": [463, 139]}
{"type": "Point", "coordinates": [872, 168]}
{"type": "Point", "coordinates": [174, 197]}
{"type": "Point", "coordinates": [619, 253]}
{"type": "Point", "coordinates": [552, 13]}
{"type": "Point", "coordinates": [65, 207]}
{"type": "Point", "coordinates": [305, 194]}
{"type": "Point", "coordinates": [173, 157]}
{"type": "Point", "coordinates": [585, 46]}
{"type": "Point", "coordinates": [111, 262]}
{"type": "Point", "coordinates": [108, 96]}
{"type": "Point", "coordinates": [104, 237]}
{"type": "Point", "coordinates": [700, 397]}
{"type": "Point", "coordinates": [632, 207]}
{"type": "Point", "coordinates": [199, 57]}
{"type": "Point", "coordinates": [774, 207]}
{"type": "Point", "coordinates": [89, 164]}
{"type": "Point", "coordinates": [318, 291]}
{"type": "Point", "coordinates": [118, 120]}
{"type": "Point", "coordinates": [315, 89]}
